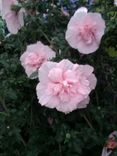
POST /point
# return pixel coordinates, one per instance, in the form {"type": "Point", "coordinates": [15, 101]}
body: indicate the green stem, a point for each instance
{"type": "Point", "coordinates": [23, 142]}
{"type": "Point", "coordinates": [4, 105]}
{"type": "Point", "coordinates": [44, 33]}
{"type": "Point", "coordinates": [18, 154]}
{"type": "Point", "coordinates": [88, 122]}
{"type": "Point", "coordinates": [45, 36]}
{"type": "Point", "coordinates": [60, 151]}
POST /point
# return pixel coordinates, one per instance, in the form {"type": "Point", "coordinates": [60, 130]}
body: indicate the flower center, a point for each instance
{"type": "Point", "coordinates": [65, 84]}
{"type": "Point", "coordinates": [87, 33]}
{"type": "Point", "coordinates": [34, 60]}
{"type": "Point", "coordinates": [64, 87]}
{"type": "Point", "coordinates": [62, 83]}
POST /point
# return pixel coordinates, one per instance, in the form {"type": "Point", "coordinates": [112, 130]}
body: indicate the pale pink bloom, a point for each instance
{"type": "Point", "coordinates": [85, 30]}
{"type": "Point", "coordinates": [14, 20]}
{"type": "Point", "coordinates": [34, 56]}
{"type": "Point", "coordinates": [65, 86]}
{"type": "Point", "coordinates": [0, 7]}
{"type": "Point", "coordinates": [111, 144]}
{"type": "Point", "coordinates": [81, 10]}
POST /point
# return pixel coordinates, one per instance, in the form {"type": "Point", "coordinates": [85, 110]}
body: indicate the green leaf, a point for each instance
{"type": "Point", "coordinates": [112, 52]}
{"type": "Point", "coordinates": [34, 75]}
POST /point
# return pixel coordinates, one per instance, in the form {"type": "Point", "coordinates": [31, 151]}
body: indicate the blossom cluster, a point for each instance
{"type": "Point", "coordinates": [62, 85]}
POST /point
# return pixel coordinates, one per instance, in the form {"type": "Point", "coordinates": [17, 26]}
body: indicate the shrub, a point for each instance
{"type": "Point", "coordinates": [27, 128]}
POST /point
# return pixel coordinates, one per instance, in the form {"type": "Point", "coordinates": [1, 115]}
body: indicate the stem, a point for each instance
{"type": "Point", "coordinates": [23, 142]}
{"type": "Point", "coordinates": [53, 2]}
{"type": "Point", "coordinates": [18, 154]}
{"type": "Point", "coordinates": [88, 122]}
{"type": "Point", "coordinates": [4, 105]}
{"type": "Point", "coordinates": [44, 33]}
{"type": "Point", "coordinates": [45, 36]}
{"type": "Point", "coordinates": [60, 151]}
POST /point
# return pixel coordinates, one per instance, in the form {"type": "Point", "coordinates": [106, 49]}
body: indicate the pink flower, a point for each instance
{"type": "Point", "coordinates": [14, 20]}
{"type": "Point", "coordinates": [0, 7]}
{"type": "Point", "coordinates": [110, 145]}
{"type": "Point", "coordinates": [85, 30]}
{"type": "Point", "coordinates": [65, 86]}
{"type": "Point", "coordinates": [34, 56]}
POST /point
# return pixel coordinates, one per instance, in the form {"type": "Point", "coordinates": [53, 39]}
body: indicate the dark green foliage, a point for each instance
{"type": "Point", "coordinates": [26, 128]}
